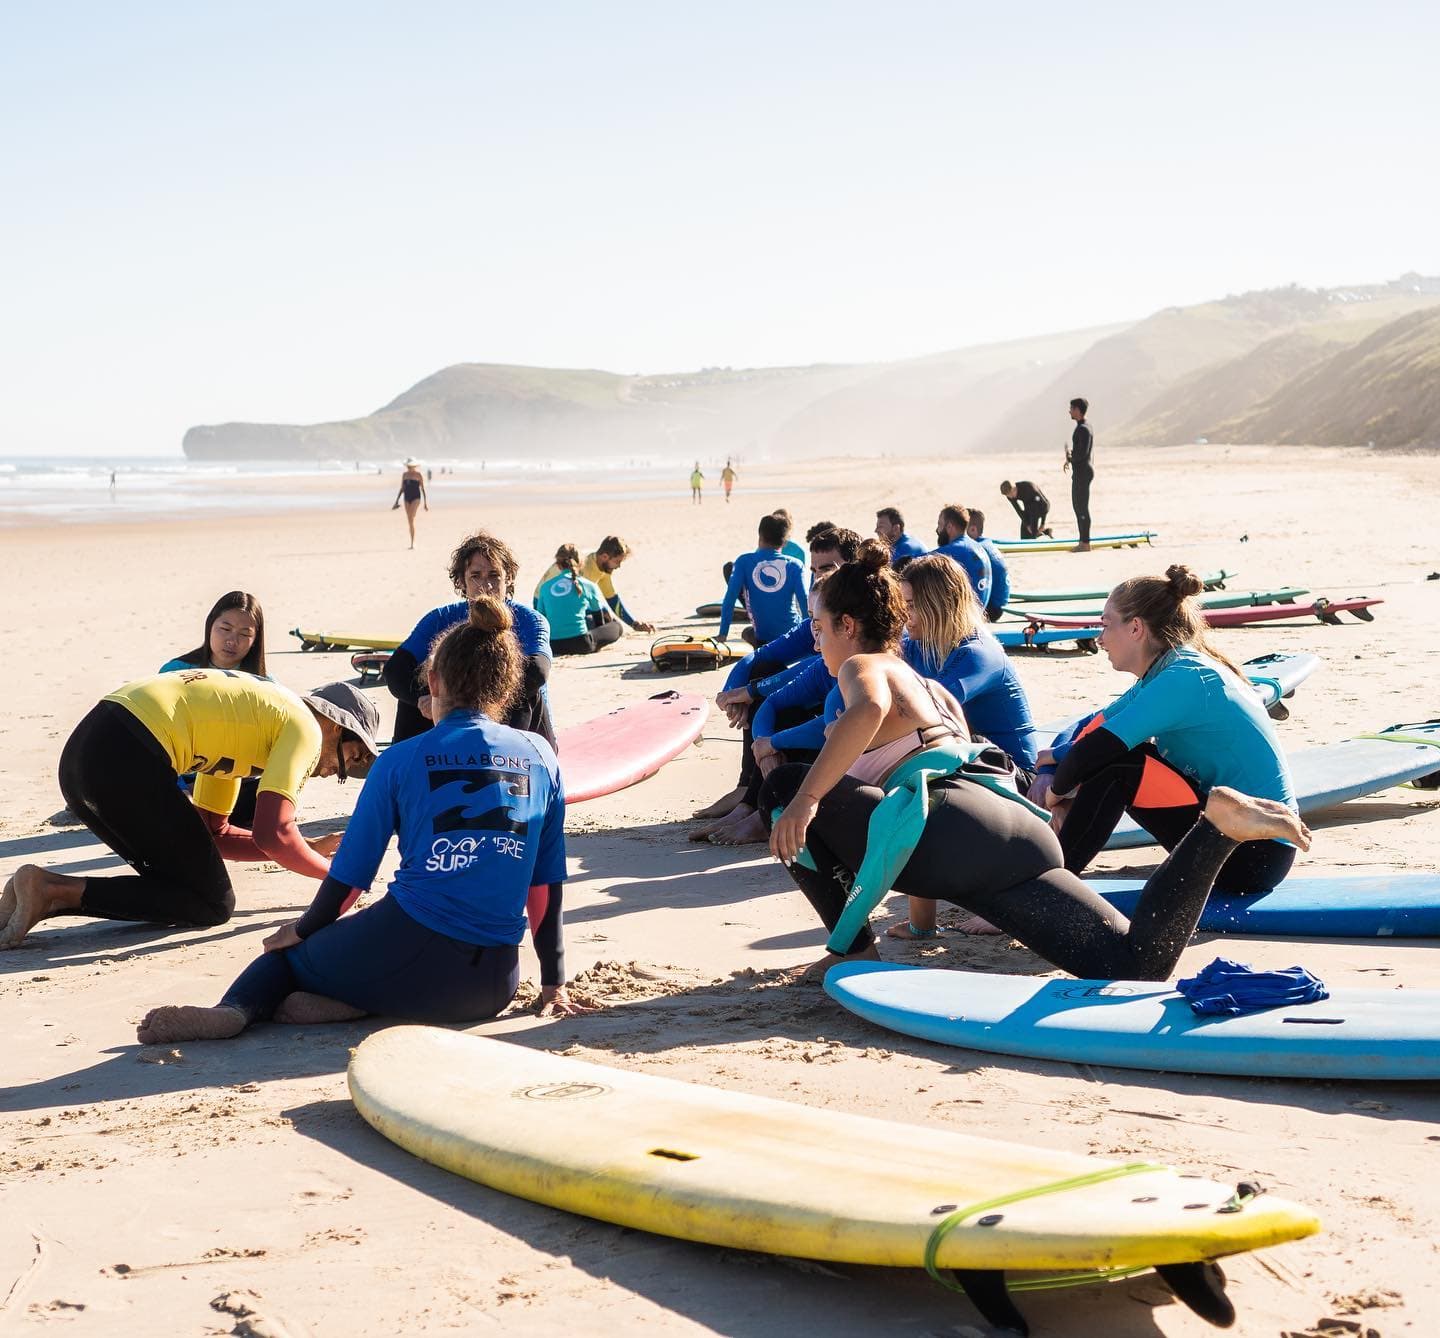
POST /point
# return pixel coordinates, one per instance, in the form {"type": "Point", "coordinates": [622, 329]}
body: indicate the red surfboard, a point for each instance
{"type": "Point", "coordinates": [628, 744]}
{"type": "Point", "coordinates": [1326, 610]}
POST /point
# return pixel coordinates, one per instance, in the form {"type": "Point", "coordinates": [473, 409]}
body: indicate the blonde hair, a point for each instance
{"type": "Point", "coordinates": [1166, 605]}
{"type": "Point", "coordinates": [947, 610]}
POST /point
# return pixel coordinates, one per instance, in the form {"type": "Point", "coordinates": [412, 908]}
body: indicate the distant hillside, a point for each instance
{"type": "Point", "coordinates": [1385, 389]}
{"type": "Point", "coordinates": [1218, 369]}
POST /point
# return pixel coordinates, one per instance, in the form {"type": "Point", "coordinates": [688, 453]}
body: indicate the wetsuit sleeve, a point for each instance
{"type": "Point", "coordinates": [974, 667]}
{"type": "Point", "coordinates": [545, 909]}
{"type": "Point", "coordinates": [1087, 757]}
{"type": "Point", "coordinates": [417, 644]}
{"type": "Point", "coordinates": [1015, 505]}
{"type": "Point", "coordinates": [617, 606]}
{"type": "Point", "coordinates": [550, 854]}
{"type": "Point", "coordinates": [772, 683]}
{"type": "Point", "coordinates": [739, 675]}
{"type": "Point", "coordinates": [732, 592]}
{"type": "Point", "coordinates": [1168, 701]}
{"type": "Point", "coordinates": [1082, 445]}
{"type": "Point", "coordinates": [375, 820]}
{"type": "Point", "coordinates": [332, 900]}
{"type": "Point", "coordinates": [806, 686]}
{"type": "Point", "coordinates": [810, 734]}
{"type": "Point", "coordinates": [533, 634]}
{"type": "Point", "coordinates": [1065, 739]}
{"type": "Point", "coordinates": [402, 676]}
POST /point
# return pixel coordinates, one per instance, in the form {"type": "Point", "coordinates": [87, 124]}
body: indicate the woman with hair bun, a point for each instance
{"type": "Point", "coordinates": [480, 816]}
{"type": "Point", "coordinates": [901, 797]}
{"type": "Point", "coordinates": [1192, 722]}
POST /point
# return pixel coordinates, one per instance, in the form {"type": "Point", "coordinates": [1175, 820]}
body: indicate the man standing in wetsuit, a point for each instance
{"type": "Point", "coordinates": [1030, 504]}
{"type": "Point", "coordinates": [1079, 461]}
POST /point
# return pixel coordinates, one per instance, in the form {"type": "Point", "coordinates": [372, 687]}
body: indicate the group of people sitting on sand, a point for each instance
{"type": "Point", "coordinates": [888, 744]}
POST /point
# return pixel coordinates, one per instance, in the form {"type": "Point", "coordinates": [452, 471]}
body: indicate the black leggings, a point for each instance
{"type": "Point", "coordinates": [994, 857]}
{"type": "Point", "coordinates": [1080, 499]}
{"type": "Point", "coordinates": [384, 961]}
{"type": "Point", "coordinates": [117, 779]}
{"type": "Point", "coordinates": [1032, 520]}
{"type": "Point", "coordinates": [588, 642]}
{"type": "Point", "coordinates": [1255, 866]}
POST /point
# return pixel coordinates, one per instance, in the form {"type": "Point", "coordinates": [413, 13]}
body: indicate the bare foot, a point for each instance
{"type": "Point", "coordinates": [1244, 818]}
{"type": "Point", "coordinates": [1081, 548]}
{"type": "Point", "coordinates": [188, 1022]}
{"type": "Point", "coordinates": [303, 1008]}
{"type": "Point", "coordinates": [911, 932]}
{"type": "Point", "coordinates": [976, 924]}
{"type": "Point", "coordinates": [33, 894]}
{"type": "Point", "coordinates": [736, 815]}
{"type": "Point", "coordinates": [749, 830]}
{"type": "Point", "coordinates": [721, 806]}
{"type": "Point", "coordinates": [814, 974]}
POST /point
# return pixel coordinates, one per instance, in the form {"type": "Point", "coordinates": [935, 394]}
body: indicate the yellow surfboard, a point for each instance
{"type": "Point", "coordinates": [754, 1173]}
{"type": "Point", "coordinates": [342, 641]}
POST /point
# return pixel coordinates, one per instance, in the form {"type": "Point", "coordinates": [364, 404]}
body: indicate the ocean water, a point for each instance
{"type": "Point", "coordinates": [76, 489]}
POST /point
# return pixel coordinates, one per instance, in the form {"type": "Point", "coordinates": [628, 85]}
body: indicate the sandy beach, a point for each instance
{"type": "Point", "coordinates": [230, 1187]}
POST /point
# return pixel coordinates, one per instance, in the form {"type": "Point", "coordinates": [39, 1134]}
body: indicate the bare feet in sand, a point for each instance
{"type": "Point", "coordinates": [31, 895]}
{"type": "Point", "coordinates": [814, 974]}
{"type": "Point", "coordinates": [749, 830]}
{"type": "Point", "coordinates": [1243, 818]}
{"type": "Point", "coordinates": [736, 815]}
{"type": "Point", "coordinates": [721, 806]}
{"type": "Point", "coordinates": [302, 1008]}
{"type": "Point", "coordinates": [187, 1022]}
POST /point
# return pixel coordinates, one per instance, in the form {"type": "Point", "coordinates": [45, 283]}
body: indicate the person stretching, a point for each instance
{"type": "Point", "coordinates": [973, 843]}
{"type": "Point", "coordinates": [1030, 504]}
{"type": "Point", "coordinates": [480, 814]}
{"type": "Point", "coordinates": [580, 620]}
{"type": "Point", "coordinates": [890, 529]}
{"type": "Point", "coordinates": [1192, 722]}
{"type": "Point", "coordinates": [950, 527]}
{"type": "Point", "coordinates": [773, 586]}
{"type": "Point", "coordinates": [999, 568]}
{"type": "Point", "coordinates": [118, 773]}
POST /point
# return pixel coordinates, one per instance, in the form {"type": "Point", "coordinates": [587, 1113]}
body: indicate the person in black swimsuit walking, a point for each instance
{"type": "Point", "coordinates": [412, 493]}
{"type": "Point", "coordinates": [1079, 461]}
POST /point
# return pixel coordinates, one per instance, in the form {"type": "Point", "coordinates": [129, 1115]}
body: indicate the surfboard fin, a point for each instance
{"type": "Point", "coordinates": [986, 1291]}
{"type": "Point", "coordinates": [1202, 1288]}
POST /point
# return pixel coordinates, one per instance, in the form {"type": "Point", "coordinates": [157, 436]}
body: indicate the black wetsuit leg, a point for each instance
{"type": "Point", "coordinates": [986, 853]}
{"type": "Point", "coordinates": [401, 676]}
{"type": "Point", "coordinates": [1101, 801]}
{"type": "Point", "coordinates": [584, 644]}
{"type": "Point", "coordinates": [118, 780]}
{"type": "Point", "coordinates": [382, 960]}
{"type": "Point", "coordinates": [1080, 480]}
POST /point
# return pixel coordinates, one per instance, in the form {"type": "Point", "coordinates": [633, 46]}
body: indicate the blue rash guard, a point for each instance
{"type": "Point", "coordinates": [905, 548]}
{"type": "Point", "coordinates": [531, 631]}
{"type": "Point", "coordinates": [563, 602]}
{"type": "Point", "coordinates": [1207, 723]}
{"type": "Point", "coordinates": [791, 549]}
{"type": "Point", "coordinates": [973, 561]}
{"type": "Point", "coordinates": [807, 686]}
{"type": "Point", "coordinates": [774, 588]}
{"type": "Point", "coordinates": [480, 814]}
{"type": "Point", "coordinates": [794, 646]}
{"type": "Point", "coordinates": [999, 578]}
{"type": "Point", "coordinates": [982, 678]}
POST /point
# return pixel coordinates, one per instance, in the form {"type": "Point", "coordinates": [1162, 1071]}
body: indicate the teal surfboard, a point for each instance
{"type": "Point", "coordinates": [1356, 1033]}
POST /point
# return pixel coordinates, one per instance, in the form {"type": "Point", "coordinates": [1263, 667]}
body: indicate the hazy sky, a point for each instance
{"type": "Point", "coordinates": [291, 212]}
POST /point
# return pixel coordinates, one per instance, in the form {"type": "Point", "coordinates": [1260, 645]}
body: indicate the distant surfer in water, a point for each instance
{"type": "Point", "coordinates": [480, 816]}
{"type": "Point", "coordinates": [412, 494]}
{"type": "Point", "coordinates": [978, 844]}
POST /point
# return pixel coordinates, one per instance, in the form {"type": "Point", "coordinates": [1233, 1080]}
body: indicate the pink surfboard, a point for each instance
{"type": "Point", "coordinates": [628, 744]}
{"type": "Point", "coordinates": [1326, 610]}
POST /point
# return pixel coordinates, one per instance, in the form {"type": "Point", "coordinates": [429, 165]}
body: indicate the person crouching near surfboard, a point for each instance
{"type": "Point", "coordinates": [901, 797]}
{"type": "Point", "coordinates": [1191, 722]}
{"type": "Point", "coordinates": [480, 815]}
{"type": "Point", "coordinates": [118, 773]}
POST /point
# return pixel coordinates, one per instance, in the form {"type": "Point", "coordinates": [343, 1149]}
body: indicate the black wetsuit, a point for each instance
{"type": "Point", "coordinates": [1082, 471]}
{"type": "Point", "coordinates": [599, 633]}
{"type": "Point", "coordinates": [995, 858]}
{"type": "Point", "coordinates": [1032, 506]}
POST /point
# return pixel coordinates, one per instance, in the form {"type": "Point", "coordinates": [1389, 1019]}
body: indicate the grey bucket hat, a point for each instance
{"type": "Point", "coordinates": [349, 708]}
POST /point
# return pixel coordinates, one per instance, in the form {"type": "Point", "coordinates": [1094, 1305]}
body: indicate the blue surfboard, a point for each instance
{"type": "Point", "coordinates": [1136, 1024]}
{"type": "Point", "coordinates": [1398, 905]}
{"type": "Point", "coordinates": [1041, 638]}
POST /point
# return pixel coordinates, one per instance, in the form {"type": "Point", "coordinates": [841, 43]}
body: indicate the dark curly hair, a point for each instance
{"type": "Point", "coordinates": [868, 591]}
{"type": "Point", "coordinates": [497, 550]}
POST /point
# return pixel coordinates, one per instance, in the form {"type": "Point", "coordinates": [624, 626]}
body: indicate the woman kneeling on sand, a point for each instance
{"type": "Point", "coordinates": [118, 774]}
{"type": "Point", "coordinates": [950, 830]}
{"type": "Point", "coordinates": [480, 816]}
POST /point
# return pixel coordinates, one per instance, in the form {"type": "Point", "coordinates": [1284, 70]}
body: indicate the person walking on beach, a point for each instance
{"type": "Point", "coordinates": [1079, 461]}
{"type": "Point", "coordinates": [727, 478]}
{"type": "Point", "coordinates": [412, 493]}
{"type": "Point", "coordinates": [697, 481]}
{"type": "Point", "coordinates": [1030, 504]}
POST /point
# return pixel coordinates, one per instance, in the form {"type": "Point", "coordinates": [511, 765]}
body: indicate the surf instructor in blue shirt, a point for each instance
{"type": "Point", "coordinates": [773, 586]}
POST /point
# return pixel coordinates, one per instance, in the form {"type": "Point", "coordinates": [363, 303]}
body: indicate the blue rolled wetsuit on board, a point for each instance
{"type": "Point", "coordinates": [480, 815]}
